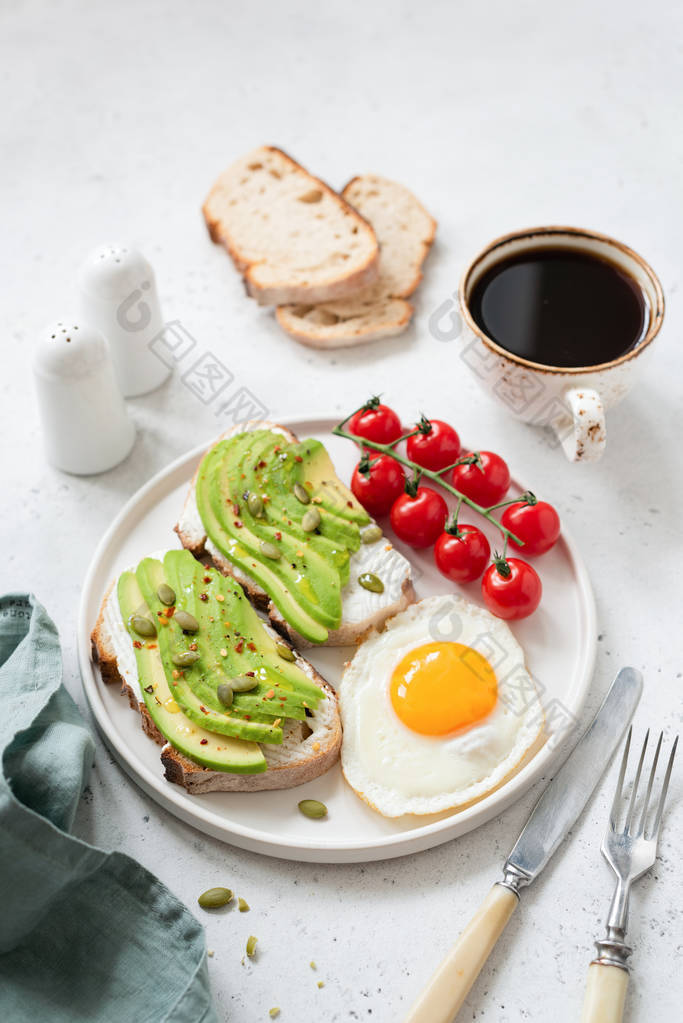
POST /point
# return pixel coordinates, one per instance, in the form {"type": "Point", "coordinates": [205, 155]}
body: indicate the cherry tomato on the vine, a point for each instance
{"type": "Point", "coordinates": [420, 519]}
{"type": "Point", "coordinates": [463, 555]}
{"type": "Point", "coordinates": [376, 422]}
{"type": "Point", "coordinates": [435, 446]}
{"type": "Point", "coordinates": [485, 480]}
{"type": "Point", "coordinates": [511, 588]}
{"type": "Point", "coordinates": [536, 523]}
{"type": "Point", "coordinates": [378, 489]}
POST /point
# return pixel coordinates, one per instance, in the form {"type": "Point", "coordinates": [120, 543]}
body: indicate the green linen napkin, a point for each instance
{"type": "Point", "coordinates": [85, 935]}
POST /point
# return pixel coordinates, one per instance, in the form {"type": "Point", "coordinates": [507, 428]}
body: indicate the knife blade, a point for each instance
{"type": "Point", "coordinates": [562, 801]}
{"type": "Point", "coordinates": [552, 817]}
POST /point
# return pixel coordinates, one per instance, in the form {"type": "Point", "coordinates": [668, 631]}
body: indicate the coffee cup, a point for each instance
{"type": "Point", "coordinates": [570, 401]}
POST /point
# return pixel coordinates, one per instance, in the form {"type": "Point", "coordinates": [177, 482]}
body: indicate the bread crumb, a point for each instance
{"type": "Point", "coordinates": [316, 746]}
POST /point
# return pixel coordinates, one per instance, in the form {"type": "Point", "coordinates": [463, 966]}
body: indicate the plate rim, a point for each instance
{"type": "Point", "coordinates": [382, 847]}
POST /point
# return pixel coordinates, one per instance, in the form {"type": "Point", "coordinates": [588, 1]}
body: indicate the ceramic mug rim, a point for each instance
{"type": "Point", "coordinates": [656, 313]}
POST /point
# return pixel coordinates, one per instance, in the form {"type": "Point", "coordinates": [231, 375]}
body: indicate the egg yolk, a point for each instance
{"type": "Point", "coordinates": [442, 687]}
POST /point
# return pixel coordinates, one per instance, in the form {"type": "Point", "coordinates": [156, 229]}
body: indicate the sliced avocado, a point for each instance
{"type": "Point", "coordinates": [305, 582]}
{"type": "Point", "coordinates": [212, 750]}
{"type": "Point", "coordinates": [257, 569]}
{"type": "Point", "coordinates": [233, 641]}
{"type": "Point", "coordinates": [193, 690]}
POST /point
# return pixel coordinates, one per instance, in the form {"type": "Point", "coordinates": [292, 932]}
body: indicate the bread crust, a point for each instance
{"type": "Point", "coordinates": [337, 284]}
{"type": "Point", "coordinates": [346, 635]}
{"type": "Point", "coordinates": [180, 770]}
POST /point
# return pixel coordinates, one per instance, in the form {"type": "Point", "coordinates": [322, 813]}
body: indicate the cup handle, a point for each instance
{"type": "Point", "coordinates": [581, 428]}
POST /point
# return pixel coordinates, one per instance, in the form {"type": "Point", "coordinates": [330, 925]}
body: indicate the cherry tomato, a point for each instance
{"type": "Point", "coordinates": [378, 489]}
{"type": "Point", "coordinates": [462, 556]}
{"type": "Point", "coordinates": [376, 422]}
{"type": "Point", "coordinates": [536, 523]}
{"type": "Point", "coordinates": [485, 481]}
{"type": "Point", "coordinates": [511, 588]}
{"type": "Point", "coordinates": [420, 519]}
{"type": "Point", "coordinates": [435, 446]}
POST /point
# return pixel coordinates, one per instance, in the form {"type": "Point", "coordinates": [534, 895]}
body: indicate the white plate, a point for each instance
{"type": "Point", "coordinates": [559, 641]}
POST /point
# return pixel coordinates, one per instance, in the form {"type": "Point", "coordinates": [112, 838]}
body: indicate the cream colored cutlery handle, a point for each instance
{"type": "Point", "coordinates": [605, 994]}
{"type": "Point", "coordinates": [447, 990]}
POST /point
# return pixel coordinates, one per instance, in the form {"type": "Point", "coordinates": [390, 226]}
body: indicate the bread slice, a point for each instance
{"type": "Point", "coordinates": [292, 237]}
{"type": "Point", "coordinates": [405, 232]}
{"type": "Point", "coordinates": [309, 748]}
{"type": "Point", "coordinates": [361, 610]}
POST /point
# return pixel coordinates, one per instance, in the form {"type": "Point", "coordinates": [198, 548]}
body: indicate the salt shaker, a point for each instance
{"type": "Point", "coordinates": [119, 297]}
{"type": "Point", "coordinates": [85, 423]}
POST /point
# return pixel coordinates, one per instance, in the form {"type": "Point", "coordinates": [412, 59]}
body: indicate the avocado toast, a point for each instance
{"type": "Point", "coordinates": [234, 708]}
{"type": "Point", "coordinates": [270, 511]}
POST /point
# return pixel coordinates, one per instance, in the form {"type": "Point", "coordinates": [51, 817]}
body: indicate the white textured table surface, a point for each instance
{"type": "Point", "coordinates": [116, 119]}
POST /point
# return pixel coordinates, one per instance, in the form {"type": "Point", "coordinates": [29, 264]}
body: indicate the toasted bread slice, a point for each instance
{"type": "Point", "coordinates": [361, 610]}
{"type": "Point", "coordinates": [309, 748]}
{"type": "Point", "coordinates": [405, 232]}
{"type": "Point", "coordinates": [290, 235]}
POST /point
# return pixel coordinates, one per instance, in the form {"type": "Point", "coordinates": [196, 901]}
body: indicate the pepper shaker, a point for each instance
{"type": "Point", "coordinates": [119, 297]}
{"type": "Point", "coordinates": [86, 427]}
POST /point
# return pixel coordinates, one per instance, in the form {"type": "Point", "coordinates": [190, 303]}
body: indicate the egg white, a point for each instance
{"type": "Point", "coordinates": [398, 771]}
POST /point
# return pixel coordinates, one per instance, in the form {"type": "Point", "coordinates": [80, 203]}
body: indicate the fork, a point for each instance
{"type": "Point", "coordinates": [630, 853]}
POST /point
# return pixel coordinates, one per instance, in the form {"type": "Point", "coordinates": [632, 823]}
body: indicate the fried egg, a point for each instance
{"type": "Point", "coordinates": [437, 709]}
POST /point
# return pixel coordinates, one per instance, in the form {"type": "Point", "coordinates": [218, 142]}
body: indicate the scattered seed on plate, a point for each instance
{"type": "Point", "coordinates": [312, 965]}
{"type": "Point", "coordinates": [275, 1011]}
{"type": "Point", "coordinates": [251, 946]}
{"type": "Point", "coordinates": [321, 983]}
{"type": "Point", "coordinates": [313, 808]}
{"type": "Point", "coordinates": [243, 905]}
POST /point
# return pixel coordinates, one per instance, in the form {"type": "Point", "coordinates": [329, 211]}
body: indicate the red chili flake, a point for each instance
{"type": "Point", "coordinates": [193, 646]}
{"type": "Point", "coordinates": [278, 447]}
{"type": "Point", "coordinates": [243, 476]}
{"type": "Point", "coordinates": [298, 458]}
{"type": "Point", "coordinates": [278, 534]}
{"type": "Point", "coordinates": [151, 646]}
{"type": "Point", "coordinates": [270, 694]}
{"type": "Point", "coordinates": [251, 646]}
{"type": "Point", "coordinates": [261, 465]}
{"type": "Point", "coordinates": [204, 596]}
{"type": "Point", "coordinates": [159, 614]}
{"type": "Point", "coordinates": [170, 611]}
{"type": "Point", "coordinates": [239, 647]}
{"type": "Point", "coordinates": [137, 644]}
{"type": "Point", "coordinates": [237, 524]}
{"type": "Point", "coordinates": [235, 508]}
{"type": "Point", "coordinates": [251, 674]}
{"type": "Point", "coordinates": [203, 742]}
{"type": "Point", "coordinates": [349, 504]}
{"type": "Point", "coordinates": [203, 708]}
{"type": "Point", "coordinates": [207, 578]}
{"type": "Point", "coordinates": [247, 717]}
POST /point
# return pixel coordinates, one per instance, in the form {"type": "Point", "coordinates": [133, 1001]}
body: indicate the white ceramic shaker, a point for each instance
{"type": "Point", "coordinates": [86, 428]}
{"type": "Point", "coordinates": [119, 297]}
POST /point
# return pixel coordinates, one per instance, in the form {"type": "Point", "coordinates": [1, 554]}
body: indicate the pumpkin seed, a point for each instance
{"type": "Point", "coordinates": [225, 694]}
{"type": "Point", "coordinates": [214, 898]}
{"type": "Point", "coordinates": [243, 683]}
{"type": "Point", "coordinates": [143, 626]}
{"type": "Point", "coordinates": [371, 535]}
{"type": "Point", "coordinates": [301, 494]}
{"type": "Point", "coordinates": [313, 808]}
{"type": "Point", "coordinates": [269, 550]}
{"type": "Point", "coordinates": [251, 946]}
{"type": "Point", "coordinates": [255, 505]}
{"type": "Point", "coordinates": [311, 520]}
{"type": "Point", "coordinates": [369, 581]}
{"type": "Point", "coordinates": [165, 594]}
{"type": "Point", "coordinates": [185, 658]}
{"type": "Point", "coordinates": [274, 1012]}
{"type": "Point", "coordinates": [186, 621]}
{"type": "Point", "coordinates": [284, 651]}
{"type": "Point", "coordinates": [243, 905]}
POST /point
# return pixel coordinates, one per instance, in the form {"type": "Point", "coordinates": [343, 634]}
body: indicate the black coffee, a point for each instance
{"type": "Point", "coordinates": [560, 307]}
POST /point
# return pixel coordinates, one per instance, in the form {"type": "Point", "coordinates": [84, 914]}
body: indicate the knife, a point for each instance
{"type": "Point", "coordinates": [553, 816]}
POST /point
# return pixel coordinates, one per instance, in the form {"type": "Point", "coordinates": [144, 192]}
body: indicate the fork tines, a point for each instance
{"type": "Point", "coordinates": [629, 828]}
